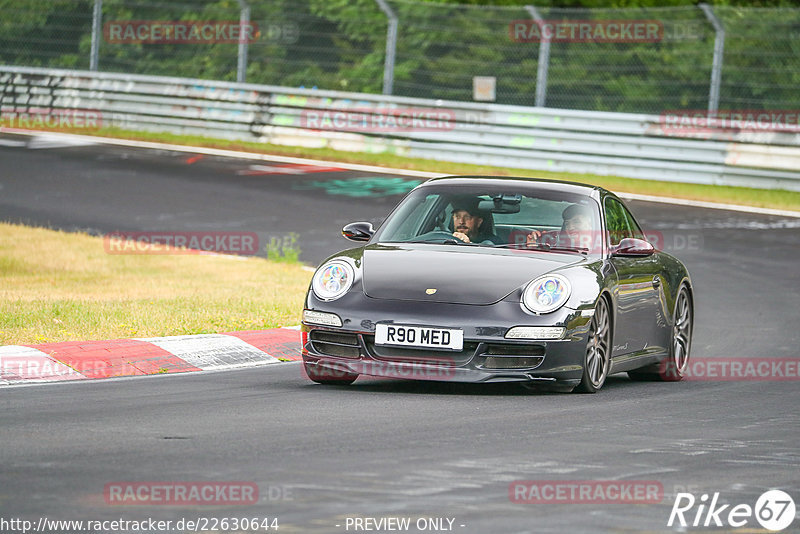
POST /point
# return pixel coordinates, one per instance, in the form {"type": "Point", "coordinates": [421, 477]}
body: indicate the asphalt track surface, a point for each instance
{"type": "Point", "coordinates": [386, 448]}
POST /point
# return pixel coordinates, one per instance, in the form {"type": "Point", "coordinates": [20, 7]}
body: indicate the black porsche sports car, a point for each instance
{"type": "Point", "coordinates": [478, 279]}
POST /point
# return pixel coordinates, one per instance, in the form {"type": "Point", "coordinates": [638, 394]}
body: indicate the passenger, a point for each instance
{"type": "Point", "coordinates": [577, 222]}
{"type": "Point", "coordinates": [574, 231]}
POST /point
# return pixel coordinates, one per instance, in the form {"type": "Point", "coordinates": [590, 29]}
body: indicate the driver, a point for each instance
{"type": "Point", "coordinates": [471, 224]}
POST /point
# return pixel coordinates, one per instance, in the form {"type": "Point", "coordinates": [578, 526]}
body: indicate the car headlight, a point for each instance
{"type": "Point", "coordinates": [332, 280]}
{"type": "Point", "coordinates": [546, 293]}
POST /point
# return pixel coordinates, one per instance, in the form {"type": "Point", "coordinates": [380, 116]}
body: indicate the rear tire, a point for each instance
{"type": "Point", "coordinates": [329, 377]}
{"type": "Point", "coordinates": [597, 360]}
{"type": "Point", "coordinates": [673, 369]}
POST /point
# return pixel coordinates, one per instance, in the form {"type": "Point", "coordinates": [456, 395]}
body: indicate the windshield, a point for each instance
{"type": "Point", "coordinates": [530, 218]}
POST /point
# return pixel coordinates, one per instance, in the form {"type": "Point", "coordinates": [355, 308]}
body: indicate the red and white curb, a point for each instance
{"type": "Point", "coordinates": [82, 360]}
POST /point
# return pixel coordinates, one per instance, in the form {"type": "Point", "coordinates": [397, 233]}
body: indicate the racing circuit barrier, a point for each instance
{"type": "Point", "coordinates": [683, 147]}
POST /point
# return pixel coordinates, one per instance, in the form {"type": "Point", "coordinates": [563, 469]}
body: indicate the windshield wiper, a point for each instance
{"type": "Point", "coordinates": [449, 241]}
{"type": "Point", "coordinates": [544, 247]}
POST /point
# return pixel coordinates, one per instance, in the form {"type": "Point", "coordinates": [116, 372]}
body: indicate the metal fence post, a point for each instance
{"type": "Point", "coordinates": [244, 22]}
{"type": "Point", "coordinates": [97, 29]}
{"type": "Point", "coordinates": [391, 46]}
{"type": "Point", "coordinates": [716, 67]}
{"type": "Point", "coordinates": [543, 62]}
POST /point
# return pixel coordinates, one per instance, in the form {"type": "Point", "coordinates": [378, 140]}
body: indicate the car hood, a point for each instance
{"type": "Point", "coordinates": [460, 274]}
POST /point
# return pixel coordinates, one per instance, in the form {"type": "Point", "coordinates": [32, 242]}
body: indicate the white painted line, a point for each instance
{"type": "Point", "coordinates": [238, 154]}
{"type": "Point", "coordinates": [712, 205]}
{"type": "Point", "coordinates": [45, 141]}
{"type": "Point", "coordinates": [26, 364]}
{"type": "Point", "coordinates": [377, 169]}
{"type": "Point", "coordinates": [212, 351]}
{"type": "Point", "coordinates": [11, 142]}
{"type": "Point", "coordinates": [268, 169]}
{"type": "Point", "coordinates": [265, 170]}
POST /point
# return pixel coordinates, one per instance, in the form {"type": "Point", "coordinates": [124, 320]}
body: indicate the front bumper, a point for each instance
{"type": "Point", "coordinates": [487, 355]}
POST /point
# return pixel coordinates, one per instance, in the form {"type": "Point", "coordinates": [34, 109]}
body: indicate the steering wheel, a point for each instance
{"type": "Point", "coordinates": [436, 235]}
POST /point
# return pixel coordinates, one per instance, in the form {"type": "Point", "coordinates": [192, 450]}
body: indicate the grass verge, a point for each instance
{"type": "Point", "coordinates": [60, 286]}
{"type": "Point", "coordinates": [763, 198]}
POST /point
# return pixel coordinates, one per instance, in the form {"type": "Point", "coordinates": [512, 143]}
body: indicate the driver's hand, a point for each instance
{"type": "Point", "coordinates": [533, 238]}
{"type": "Point", "coordinates": [463, 237]}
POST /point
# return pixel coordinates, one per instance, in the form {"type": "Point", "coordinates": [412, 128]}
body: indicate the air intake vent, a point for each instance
{"type": "Point", "coordinates": [335, 343]}
{"type": "Point", "coordinates": [495, 362]}
{"type": "Point", "coordinates": [509, 349]}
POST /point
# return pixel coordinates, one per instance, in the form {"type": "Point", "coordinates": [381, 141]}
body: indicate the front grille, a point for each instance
{"type": "Point", "coordinates": [339, 344]}
{"type": "Point", "coordinates": [505, 362]}
{"type": "Point", "coordinates": [422, 356]}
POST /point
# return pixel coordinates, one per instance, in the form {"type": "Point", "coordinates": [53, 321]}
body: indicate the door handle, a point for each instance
{"type": "Point", "coordinates": [656, 282]}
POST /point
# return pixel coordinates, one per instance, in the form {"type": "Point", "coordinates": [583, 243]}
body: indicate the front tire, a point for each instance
{"type": "Point", "coordinates": [597, 360]}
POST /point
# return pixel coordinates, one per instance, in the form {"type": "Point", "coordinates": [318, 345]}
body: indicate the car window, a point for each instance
{"type": "Point", "coordinates": [617, 222]}
{"type": "Point", "coordinates": [507, 215]}
{"type": "Point", "coordinates": [534, 212]}
{"type": "Point", "coordinates": [634, 227]}
{"type": "Point", "coordinates": [538, 211]}
{"type": "Point", "coordinates": [419, 219]}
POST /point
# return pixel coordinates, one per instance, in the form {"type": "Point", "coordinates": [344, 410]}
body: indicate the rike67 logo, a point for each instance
{"type": "Point", "coordinates": [774, 510]}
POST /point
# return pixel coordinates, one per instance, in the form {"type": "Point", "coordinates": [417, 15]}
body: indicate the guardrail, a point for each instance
{"type": "Point", "coordinates": [622, 144]}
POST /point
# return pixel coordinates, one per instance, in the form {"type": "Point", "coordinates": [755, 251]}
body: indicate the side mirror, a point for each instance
{"type": "Point", "coordinates": [358, 231]}
{"type": "Point", "coordinates": [631, 246]}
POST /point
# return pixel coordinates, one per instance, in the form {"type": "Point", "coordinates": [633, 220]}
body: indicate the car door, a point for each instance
{"type": "Point", "coordinates": [637, 294]}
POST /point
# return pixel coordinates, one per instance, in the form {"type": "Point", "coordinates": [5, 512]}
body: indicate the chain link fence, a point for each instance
{"type": "Point", "coordinates": [633, 60]}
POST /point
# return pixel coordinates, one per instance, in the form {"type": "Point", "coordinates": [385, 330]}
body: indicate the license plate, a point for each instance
{"type": "Point", "coordinates": [419, 336]}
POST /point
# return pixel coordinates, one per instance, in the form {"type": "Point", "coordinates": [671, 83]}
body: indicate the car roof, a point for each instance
{"type": "Point", "coordinates": [553, 185]}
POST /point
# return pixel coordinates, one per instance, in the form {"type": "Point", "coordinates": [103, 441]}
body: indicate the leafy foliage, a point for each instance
{"type": "Point", "coordinates": [341, 45]}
